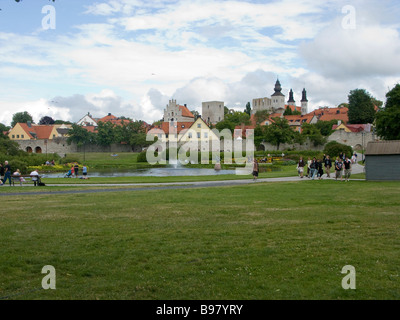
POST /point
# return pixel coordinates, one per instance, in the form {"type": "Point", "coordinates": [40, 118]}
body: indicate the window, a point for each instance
{"type": "Point", "coordinates": [190, 135]}
{"type": "Point", "coordinates": [13, 136]}
{"type": "Point", "coordinates": [17, 136]}
{"type": "Point", "coordinates": [199, 125]}
{"type": "Point", "coordinates": [198, 135]}
{"type": "Point", "coordinates": [205, 134]}
{"type": "Point", "coordinates": [22, 136]}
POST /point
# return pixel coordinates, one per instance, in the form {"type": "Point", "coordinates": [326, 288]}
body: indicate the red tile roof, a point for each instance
{"type": "Point", "coordinates": [185, 112]}
{"type": "Point", "coordinates": [37, 131]}
{"type": "Point", "coordinates": [165, 126]}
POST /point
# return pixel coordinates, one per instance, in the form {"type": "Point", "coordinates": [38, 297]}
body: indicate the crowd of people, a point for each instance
{"type": "Point", "coordinates": [6, 173]}
{"type": "Point", "coordinates": [315, 167]}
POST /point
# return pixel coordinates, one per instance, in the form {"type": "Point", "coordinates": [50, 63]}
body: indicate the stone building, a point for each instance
{"type": "Point", "coordinates": [212, 111]}
{"type": "Point", "coordinates": [276, 104]}
{"type": "Point", "coordinates": [177, 113]}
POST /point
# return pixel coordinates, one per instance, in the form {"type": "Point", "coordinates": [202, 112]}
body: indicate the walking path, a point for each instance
{"type": "Point", "coordinates": [169, 185]}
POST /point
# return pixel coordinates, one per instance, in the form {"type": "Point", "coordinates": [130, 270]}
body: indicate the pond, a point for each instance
{"type": "Point", "coordinates": [153, 172]}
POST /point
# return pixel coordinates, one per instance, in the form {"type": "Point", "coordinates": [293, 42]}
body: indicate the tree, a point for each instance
{"type": "Point", "coordinates": [79, 135]}
{"type": "Point", "coordinates": [195, 113]}
{"type": "Point", "coordinates": [8, 147]}
{"type": "Point", "coordinates": [313, 133]}
{"type": "Point", "coordinates": [388, 118]}
{"type": "Point", "coordinates": [21, 117]}
{"type": "Point", "coordinates": [225, 124]}
{"type": "Point", "coordinates": [361, 108]}
{"type": "Point", "coordinates": [261, 115]}
{"type": "Point", "coordinates": [3, 128]}
{"type": "Point", "coordinates": [279, 132]}
{"type": "Point", "coordinates": [105, 133]}
{"type": "Point", "coordinates": [248, 109]}
{"type": "Point", "coordinates": [133, 133]}
{"type": "Point", "coordinates": [46, 120]}
{"type": "Point", "coordinates": [288, 111]}
{"type": "Point", "coordinates": [325, 127]}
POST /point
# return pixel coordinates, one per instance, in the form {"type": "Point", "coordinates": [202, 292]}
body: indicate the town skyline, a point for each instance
{"type": "Point", "coordinates": [129, 58]}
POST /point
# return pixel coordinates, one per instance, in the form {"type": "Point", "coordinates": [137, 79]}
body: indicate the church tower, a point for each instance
{"type": "Point", "coordinates": [278, 98]}
{"type": "Point", "coordinates": [291, 101]}
{"type": "Point", "coordinates": [304, 102]}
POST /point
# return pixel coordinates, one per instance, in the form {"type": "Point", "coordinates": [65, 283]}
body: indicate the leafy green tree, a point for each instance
{"type": "Point", "coordinates": [46, 120]}
{"type": "Point", "coordinates": [80, 135]}
{"type": "Point", "coordinates": [62, 122]}
{"type": "Point", "coordinates": [195, 113]}
{"type": "Point", "coordinates": [288, 111]}
{"type": "Point", "coordinates": [279, 132]}
{"type": "Point", "coordinates": [8, 147]}
{"type": "Point", "coordinates": [3, 128]}
{"type": "Point", "coordinates": [133, 133]}
{"type": "Point", "coordinates": [334, 148]}
{"type": "Point", "coordinates": [377, 103]}
{"type": "Point", "coordinates": [248, 109]}
{"type": "Point", "coordinates": [225, 124]}
{"type": "Point", "coordinates": [105, 133]}
{"type": "Point", "coordinates": [238, 118]}
{"type": "Point", "coordinates": [325, 127]}
{"type": "Point", "coordinates": [388, 118]}
{"type": "Point", "coordinates": [261, 115]}
{"type": "Point", "coordinates": [361, 108]}
{"type": "Point", "coordinates": [313, 133]}
{"type": "Point", "coordinates": [21, 117]}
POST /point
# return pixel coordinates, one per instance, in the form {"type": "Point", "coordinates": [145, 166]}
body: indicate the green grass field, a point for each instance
{"type": "Point", "coordinates": [258, 241]}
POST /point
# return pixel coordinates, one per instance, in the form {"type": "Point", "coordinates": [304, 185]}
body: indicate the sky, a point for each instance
{"type": "Point", "coordinates": [66, 58]}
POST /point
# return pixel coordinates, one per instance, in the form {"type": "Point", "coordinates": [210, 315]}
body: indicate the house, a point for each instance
{"type": "Point", "coordinates": [29, 131]}
{"type": "Point", "coordinates": [328, 114]}
{"type": "Point", "coordinates": [87, 120]}
{"type": "Point", "coordinates": [352, 127]}
{"type": "Point", "coordinates": [382, 160]}
{"type": "Point", "coordinates": [90, 123]}
{"type": "Point", "coordinates": [183, 132]}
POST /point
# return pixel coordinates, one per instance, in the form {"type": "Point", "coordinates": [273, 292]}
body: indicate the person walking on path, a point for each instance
{"type": "Point", "coordinates": [328, 166]}
{"type": "Point", "coordinates": [300, 167]}
{"type": "Point", "coordinates": [308, 167]}
{"type": "Point", "coordinates": [338, 168]}
{"type": "Point", "coordinates": [255, 170]}
{"type": "Point", "coordinates": [320, 172]}
{"type": "Point", "coordinates": [347, 169]}
{"type": "Point", "coordinates": [7, 172]}
{"type": "Point", "coordinates": [313, 168]}
{"type": "Point", "coordinates": [1, 171]}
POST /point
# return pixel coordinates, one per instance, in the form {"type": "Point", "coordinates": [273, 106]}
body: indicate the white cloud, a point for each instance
{"type": "Point", "coordinates": [362, 52]}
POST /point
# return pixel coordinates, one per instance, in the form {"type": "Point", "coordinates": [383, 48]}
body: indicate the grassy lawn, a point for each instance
{"type": "Point", "coordinates": [258, 241]}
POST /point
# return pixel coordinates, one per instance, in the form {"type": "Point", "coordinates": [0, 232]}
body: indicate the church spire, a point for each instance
{"type": "Point", "coordinates": [291, 98]}
{"type": "Point", "coordinates": [278, 89]}
{"type": "Point", "coordinates": [304, 95]}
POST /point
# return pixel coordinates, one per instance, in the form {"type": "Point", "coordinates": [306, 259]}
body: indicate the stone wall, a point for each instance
{"type": "Point", "coordinates": [357, 140]}
{"type": "Point", "coordinates": [61, 147]}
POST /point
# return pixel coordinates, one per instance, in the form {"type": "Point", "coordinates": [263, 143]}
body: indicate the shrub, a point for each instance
{"type": "Point", "coordinates": [141, 157]}
{"type": "Point", "coordinates": [68, 159]}
{"type": "Point", "coordinates": [333, 149]}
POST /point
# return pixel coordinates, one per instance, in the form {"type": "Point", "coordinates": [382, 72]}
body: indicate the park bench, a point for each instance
{"type": "Point", "coordinates": [27, 177]}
